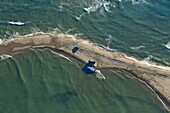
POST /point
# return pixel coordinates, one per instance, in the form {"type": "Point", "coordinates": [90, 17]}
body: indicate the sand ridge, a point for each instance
{"type": "Point", "coordinates": [157, 77]}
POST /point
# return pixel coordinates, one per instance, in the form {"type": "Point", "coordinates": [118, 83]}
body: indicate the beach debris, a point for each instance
{"type": "Point", "coordinates": [75, 49]}
{"type": "Point", "coordinates": [19, 23]}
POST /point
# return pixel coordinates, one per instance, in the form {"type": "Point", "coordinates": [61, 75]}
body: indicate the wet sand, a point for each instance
{"type": "Point", "coordinates": [154, 76]}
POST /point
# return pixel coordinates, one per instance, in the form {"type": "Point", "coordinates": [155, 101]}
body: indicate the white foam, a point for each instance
{"type": "Point", "coordinates": [36, 33]}
{"type": "Point", "coordinates": [18, 23]}
{"type": "Point", "coordinates": [105, 48]}
{"type": "Point", "coordinates": [98, 5]}
{"type": "Point", "coordinates": [148, 59]}
{"type": "Point", "coordinates": [4, 56]}
{"type": "Point", "coordinates": [69, 30]}
{"type": "Point", "coordinates": [15, 36]}
{"type": "Point", "coordinates": [88, 10]}
{"type": "Point", "coordinates": [62, 5]}
{"type": "Point", "coordinates": [168, 45]}
{"type": "Point", "coordinates": [151, 64]}
{"type": "Point", "coordinates": [87, 42]}
{"type": "Point", "coordinates": [99, 75]}
{"type": "Point", "coordinates": [97, 45]}
{"type": "Point", "coordinates": [109, 40]}
{"type": "Point", "coordinates": [136, 2]}
{"type": "Point", "coordinates": [57, 29]}
{"type": "Point", "coordinates": [66, 35]}
{"type": "Point", "coordinates": [138, 47]}
{"type": "Point", "coordinates": [80, 16]}
{"type": "Point", "coordinates": [1, 41]}
{"type": "Point", "coordinates": [58, 54]}
{"type": "Point", "coordinates": [105, 6]}
{"type": "Point", "coordinates": [109, 49]}
{"type": "Point", "coordinates": [63, 57]}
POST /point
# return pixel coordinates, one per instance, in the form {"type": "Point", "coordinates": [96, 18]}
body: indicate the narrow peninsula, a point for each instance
{"type": "Point", "coordinates": [156, 77]}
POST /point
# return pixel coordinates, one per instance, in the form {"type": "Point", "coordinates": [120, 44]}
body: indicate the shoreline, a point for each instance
{"type": "Point", "coordinates": [155, 76]}
{"type": "Point", "coordinates": [76, 60]}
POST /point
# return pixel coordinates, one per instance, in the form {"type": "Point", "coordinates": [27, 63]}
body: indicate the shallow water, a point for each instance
{"type": "Point", "coordinates": [39, 81]}
{"type": "Point", "coordinates": [139, 29]}
{"type": "Point", "coordinates": [43, 82]}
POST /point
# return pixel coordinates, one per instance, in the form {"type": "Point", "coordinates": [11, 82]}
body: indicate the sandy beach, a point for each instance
{"type": "Point", "coordinates": [156, 77]}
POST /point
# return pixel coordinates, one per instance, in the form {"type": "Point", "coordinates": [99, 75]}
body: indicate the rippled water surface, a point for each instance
{"type": "Point", "coordinates": [139, 28]}
{"type": "Point", "coordinates": [41, 82]}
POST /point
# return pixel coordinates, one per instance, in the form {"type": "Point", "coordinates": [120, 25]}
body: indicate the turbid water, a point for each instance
{"type": "Point", "coordinates": [42, 82]}
{"type": "Point", "coordinates": [39, 81]}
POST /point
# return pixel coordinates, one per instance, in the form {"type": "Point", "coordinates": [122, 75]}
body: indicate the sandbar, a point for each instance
{"type": "Point", "coordinates": [156, 77]}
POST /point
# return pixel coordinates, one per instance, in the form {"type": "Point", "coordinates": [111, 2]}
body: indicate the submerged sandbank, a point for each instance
{"type": "Point", "coordinates": [157, 77]}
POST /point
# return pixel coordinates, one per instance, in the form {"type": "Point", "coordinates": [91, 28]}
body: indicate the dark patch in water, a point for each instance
{"type": "Point", "coordinates": [63, 97]}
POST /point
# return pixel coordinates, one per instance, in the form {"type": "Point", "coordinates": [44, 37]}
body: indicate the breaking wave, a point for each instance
{"type": "Point", "coordinates": [61, 56]}
{"type": "Point", "coordinates": [100, 75]}
{"type": "Point", "coordinates": [138, 47]}
{"type": "Point", "coordinates": [146, 61]}
{"type": "Point", "coordinates": [1, 41]}
{"type": "Point", "coordinates": [168, 45]}
{"type": "Point", "coordinates": [4, 56]}
{"type": "Point", "coordinates": [99, 5]}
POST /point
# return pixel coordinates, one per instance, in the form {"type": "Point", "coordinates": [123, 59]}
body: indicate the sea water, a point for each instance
{"type": "Point", "coordinates": [138, 28]}
{"type": "Point", "coordinates": [43, 82]}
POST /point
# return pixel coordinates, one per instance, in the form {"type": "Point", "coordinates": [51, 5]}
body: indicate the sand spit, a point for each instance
{"type": "Point", "coordinates": [156, 77]}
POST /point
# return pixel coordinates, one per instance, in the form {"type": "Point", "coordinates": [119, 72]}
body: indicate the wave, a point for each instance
{"type": "Point", "coordinates": [1, 41]}
{"type": "Point", "coordinates": [66, 35]}
{"type": "Point", "coordinates": [105, 48]}
{"type": "Point", "coordinates": [80, 16]}
{"type": "Point", "coordinates": [62, 5]}
{"type": "Point", "coordinates": [4, 56]}
{"type": "Point", "coordinates": [62, 56]}
{"type": "Point", "coordinates": [108, 40]}
{"type": "Point", "coordinates": [18, 23]}
{"type": "Point", "coordinates": [105, 5]}
{"type": "Point", "coordinates": [15, 35]}
{"type": "Point", "coordinates": [146, 61]}
{"type": "Point", "coordinates": [138, 47]}
{"type": "Point", "coordinates": [137, 2]}
{"type": "Point", "coordinates": [168, 45]}
{"type": "Point", "coordinates": [36, 31]}
{"type": "Point", "coordinates": [57, 54]}
{"type": "Point", "coordinates": [99, 75]}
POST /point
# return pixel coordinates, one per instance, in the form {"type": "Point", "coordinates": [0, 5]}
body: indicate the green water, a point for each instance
{"type": "Point", "coordinates": [125, 25]}
{"type": "Point", "coordinates": [41, 82]}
